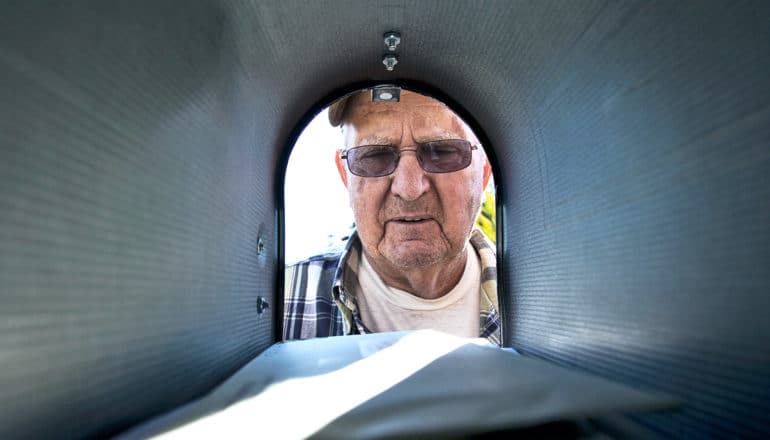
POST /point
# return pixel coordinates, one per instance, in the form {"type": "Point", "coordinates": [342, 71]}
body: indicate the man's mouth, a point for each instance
{"type": "Point", "coordinates": [411, 220]}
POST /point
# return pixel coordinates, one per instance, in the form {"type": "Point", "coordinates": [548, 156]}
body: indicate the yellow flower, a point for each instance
{"type": "Point", "coordinates": [486, 219]}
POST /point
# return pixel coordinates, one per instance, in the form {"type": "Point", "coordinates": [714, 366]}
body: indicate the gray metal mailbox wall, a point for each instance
{"type": "Point", "coordinates": [141, 144]}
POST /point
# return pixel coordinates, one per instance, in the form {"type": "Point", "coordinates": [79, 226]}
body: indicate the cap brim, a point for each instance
{"type": "Point", "coordinates": [337, 111]}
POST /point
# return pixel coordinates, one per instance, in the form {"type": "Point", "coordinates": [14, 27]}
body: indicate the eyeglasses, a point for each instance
{"type": "Point", "coordinates": [443, 156]}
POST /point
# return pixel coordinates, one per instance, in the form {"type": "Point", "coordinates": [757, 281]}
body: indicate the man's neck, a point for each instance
{"type": "Point", "coordinates": [428, 282]}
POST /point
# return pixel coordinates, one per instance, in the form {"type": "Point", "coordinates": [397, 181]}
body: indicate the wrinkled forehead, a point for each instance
{"type": "Point", "coordinates": [416, 118]}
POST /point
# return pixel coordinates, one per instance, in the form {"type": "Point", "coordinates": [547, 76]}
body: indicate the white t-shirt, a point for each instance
{"type": "Point", "coordinates": [384, 308]}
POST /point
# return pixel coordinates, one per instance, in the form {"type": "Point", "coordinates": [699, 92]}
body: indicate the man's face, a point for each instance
{"type": "Point", "coordinates": [412, 218]}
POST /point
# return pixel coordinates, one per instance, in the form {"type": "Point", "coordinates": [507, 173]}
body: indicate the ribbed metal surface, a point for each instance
{"type": "Point", "coordinates": [637, 230]}
{"type": "Point", "coordinates": [132, 190]}
{"type": "Point", "coordinates": [139, 146]}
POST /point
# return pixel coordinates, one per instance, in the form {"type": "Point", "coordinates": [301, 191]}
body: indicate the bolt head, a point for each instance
{"type": "Point", "coordinates": [392, 40]}
{"type": "Point", "coordinates": [390, 62]}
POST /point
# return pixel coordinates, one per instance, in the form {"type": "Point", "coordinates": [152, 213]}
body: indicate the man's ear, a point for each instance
{"type": "Point", "coordinates": [341, 167]}
{"type": "Point", "coordinates": [487, 172]}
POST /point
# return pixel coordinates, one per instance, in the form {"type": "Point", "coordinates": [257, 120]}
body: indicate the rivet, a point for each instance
{"type": "Point", "coordinates": [262, 304]}
{"type": "Point", "coordinates": [260, 246]}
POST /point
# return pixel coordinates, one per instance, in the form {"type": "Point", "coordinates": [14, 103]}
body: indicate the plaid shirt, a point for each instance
{"type": "Point", "coordinates": [319, 302]}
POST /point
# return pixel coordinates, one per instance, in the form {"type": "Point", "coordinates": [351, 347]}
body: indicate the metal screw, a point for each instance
{"type": "Point", "coordinates": [390, 62]}
{"type": "Point", "coordinates": [392, 40]}
{"type": "Point", "coordinates": [262, 304]}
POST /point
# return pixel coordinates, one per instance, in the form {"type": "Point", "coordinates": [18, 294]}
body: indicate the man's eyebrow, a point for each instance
{"type": "Point", "coordinates": [377, 140]}
{"type": "Point", "coordinates": [442, 135]}
{"type": "Point", "coordinates": [435, 136]}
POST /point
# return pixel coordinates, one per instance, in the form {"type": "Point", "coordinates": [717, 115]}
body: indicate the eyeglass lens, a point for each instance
{"type": "Point", "coordinates": [444, 156]}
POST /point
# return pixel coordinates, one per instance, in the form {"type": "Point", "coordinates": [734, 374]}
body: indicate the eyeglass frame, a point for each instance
{"type": "Point", "coordinates": [344, 155]}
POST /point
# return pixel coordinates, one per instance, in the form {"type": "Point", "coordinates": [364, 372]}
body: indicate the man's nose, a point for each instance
{"type": "Point", "coordinates": [409, 180]}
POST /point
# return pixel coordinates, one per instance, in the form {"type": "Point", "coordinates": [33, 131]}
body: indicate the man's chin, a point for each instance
{"type": "Point", "coordinates": [413, 254]}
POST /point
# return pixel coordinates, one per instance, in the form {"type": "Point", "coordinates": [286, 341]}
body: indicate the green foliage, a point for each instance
{"type": "Point", "coordinates": [486, 219]}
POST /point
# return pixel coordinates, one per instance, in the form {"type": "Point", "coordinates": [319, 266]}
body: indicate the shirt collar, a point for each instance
{"type": "Point", "coordinates": [347, 269]}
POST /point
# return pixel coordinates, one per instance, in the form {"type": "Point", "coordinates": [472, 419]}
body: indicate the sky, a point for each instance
{"type": "Point", "coordinates": [316, 202]}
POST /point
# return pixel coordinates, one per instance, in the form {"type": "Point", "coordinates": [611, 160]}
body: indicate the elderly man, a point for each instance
{"type": "Point", "coordinates": [415, 175]}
